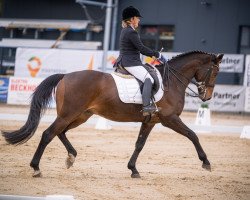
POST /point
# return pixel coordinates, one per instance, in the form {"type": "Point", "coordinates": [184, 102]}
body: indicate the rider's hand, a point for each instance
{"type": "Point", "coordinates": [162, 59]}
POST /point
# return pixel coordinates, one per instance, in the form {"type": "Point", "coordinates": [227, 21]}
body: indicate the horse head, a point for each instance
{"type": "Point", "coordinates": [206, 74]}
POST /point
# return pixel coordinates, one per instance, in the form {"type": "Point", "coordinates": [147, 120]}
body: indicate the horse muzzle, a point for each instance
{"type": "Point", "coordinates": [205, 99]}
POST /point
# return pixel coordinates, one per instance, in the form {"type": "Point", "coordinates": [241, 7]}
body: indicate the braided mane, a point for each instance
{"type": "Point", "coordinates": [189, 53]}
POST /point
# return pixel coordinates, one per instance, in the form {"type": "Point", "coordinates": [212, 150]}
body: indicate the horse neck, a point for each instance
{"type": "Point", "coordinates": [186, 66]}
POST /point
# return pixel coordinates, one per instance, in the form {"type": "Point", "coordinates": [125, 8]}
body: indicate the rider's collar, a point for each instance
{"type": "Point", "coordinates": [132, 27]}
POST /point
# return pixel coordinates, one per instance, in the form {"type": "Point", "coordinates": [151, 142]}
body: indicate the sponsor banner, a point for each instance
{"type": "Point", "coordinates": [225, 98]}
{"type": "Point", "coordinates": [247, 100]}
{"type": "Point", "coordinates": [21, 89]}
{"type": "Point", "coordinates": [41, 63]}
{"type": "Point", "coordinates": [232, 63]}
{"type": "Point", "coordinates": [4, 83]}
{"type": "Point", "coordinates": [247, 71]}
{"type": "Point", "coordinates": [111, 59]}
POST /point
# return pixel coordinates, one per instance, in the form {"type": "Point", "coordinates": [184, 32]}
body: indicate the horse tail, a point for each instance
{"type": "Point", "coordinates": [39, 103]}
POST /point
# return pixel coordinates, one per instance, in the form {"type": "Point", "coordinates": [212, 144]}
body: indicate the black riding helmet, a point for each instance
{"type": "Point", "coordinates": [130, 12]}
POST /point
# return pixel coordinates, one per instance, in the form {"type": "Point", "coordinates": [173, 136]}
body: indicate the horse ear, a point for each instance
{"type": "Point", "coordinates": [219, 57]}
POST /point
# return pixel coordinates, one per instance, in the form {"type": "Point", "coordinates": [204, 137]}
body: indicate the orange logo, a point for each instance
{"type": "Point", "coordinates": [151, 61]}
{"type": "Point", "coordinates": [90, 65]}
{"type": "Point", "coordinates": [112, 59]}
{"type": "Point", "coordinates": [34, 65]}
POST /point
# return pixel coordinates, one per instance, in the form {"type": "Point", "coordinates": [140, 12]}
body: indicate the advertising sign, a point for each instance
{"type": "Point", "coordinates": [247, 71]}
{"type": "Point", "coordinates": [45, 62]}
{"type": "Point", "coordinates": [225, 98]}
{"type": "Point", "coordinates": [232, 63]}
{"type": "Point", "coordinates": [41, 63]}
{"type": "Point", "coordinates": [112, 56]}
{"type": "Point", "coordinates": [21, 89]}
{"type": "Point", "coordinates": [4, 83]}
{"type": "Point", "coordinates": [247, 100]}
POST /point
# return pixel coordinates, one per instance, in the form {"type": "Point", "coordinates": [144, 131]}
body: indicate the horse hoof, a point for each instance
{"type": "Point", "coordinates": [37, 174]}
{"type": "Point", "coordinates": [69, 160]}
{"type": "Point", "coordinates": [207, 167]}
{"type": "Point", "coordinates": [135, 176]}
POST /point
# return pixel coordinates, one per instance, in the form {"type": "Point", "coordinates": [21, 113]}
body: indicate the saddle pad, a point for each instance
{"type": "Point", "coordinates": [129, 91]}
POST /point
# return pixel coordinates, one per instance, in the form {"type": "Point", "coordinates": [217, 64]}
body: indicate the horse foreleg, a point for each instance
{"type": "Point", "coordinates": [141, 140]}
{"type": "Point", "coordinates": [55, 128]}
{"type": "Point", "coordinates": [175, 123]}
{"type": "Point", "coordinates": [71, 151]}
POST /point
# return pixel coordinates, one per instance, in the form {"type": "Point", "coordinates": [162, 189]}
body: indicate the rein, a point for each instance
{"type": "Point", "coordinates": [202, 86]}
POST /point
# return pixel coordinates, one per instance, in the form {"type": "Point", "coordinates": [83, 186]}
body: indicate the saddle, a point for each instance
{"type": "Point", "coordinates": [130, 89]}
{"type": "Point", "coordinates": [121, 70]}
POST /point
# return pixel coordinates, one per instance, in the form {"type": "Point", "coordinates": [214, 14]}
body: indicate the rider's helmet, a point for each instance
{"type": "Point", "coordinates": [130, 12]}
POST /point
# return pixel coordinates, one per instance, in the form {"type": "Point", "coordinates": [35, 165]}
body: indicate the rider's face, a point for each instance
{"type": "Point", "coordinates": [135, 21]}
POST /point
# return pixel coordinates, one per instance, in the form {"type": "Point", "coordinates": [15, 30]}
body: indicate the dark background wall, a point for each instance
{"type": "Point", "coordinates": [212, 28]}
{"type": "Point", "coordinates": [53, 9]}
{"type": "Point", "coordinates": [42, 9]}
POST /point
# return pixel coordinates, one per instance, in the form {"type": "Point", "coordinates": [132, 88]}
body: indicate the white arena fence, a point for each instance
{"type": "Point", "coordinates": [33, 65]}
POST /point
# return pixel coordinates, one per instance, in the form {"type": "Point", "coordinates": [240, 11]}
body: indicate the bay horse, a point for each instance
{"type": "Point", "coordinates": [81, 94]}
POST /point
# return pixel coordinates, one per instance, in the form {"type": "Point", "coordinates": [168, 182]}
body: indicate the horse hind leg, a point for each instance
{"type": "Point", "coordinates": [55, 128]}
{"type": "Point", "coordinates": [72, 153]}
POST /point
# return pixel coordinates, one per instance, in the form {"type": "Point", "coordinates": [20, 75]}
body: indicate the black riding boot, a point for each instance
{"type": "Point", "coordinates": [146, 96]}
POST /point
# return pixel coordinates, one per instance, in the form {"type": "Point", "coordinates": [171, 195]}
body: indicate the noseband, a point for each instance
{"type": "Point", "coordinates": [202, 86]}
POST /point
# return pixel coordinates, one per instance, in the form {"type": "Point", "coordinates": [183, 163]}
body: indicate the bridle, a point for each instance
{"type": "Point", "coordinates": [202, 86]}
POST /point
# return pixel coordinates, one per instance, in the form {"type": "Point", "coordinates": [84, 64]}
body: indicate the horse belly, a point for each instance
{"type": "Point", "coordinates": [119, 112]}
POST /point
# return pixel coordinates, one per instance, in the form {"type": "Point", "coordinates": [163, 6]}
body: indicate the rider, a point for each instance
{"type": "Point", "coordinates": [130, 48]}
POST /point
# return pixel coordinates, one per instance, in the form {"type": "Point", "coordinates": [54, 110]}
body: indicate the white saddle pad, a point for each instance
{"type": "Point", "coordinates": [129, 91]}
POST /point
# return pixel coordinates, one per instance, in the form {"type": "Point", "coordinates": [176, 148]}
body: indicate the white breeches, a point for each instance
{"type": "Point", "coordinates": [139, 72]}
